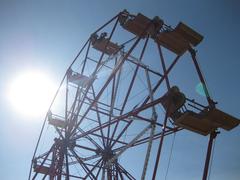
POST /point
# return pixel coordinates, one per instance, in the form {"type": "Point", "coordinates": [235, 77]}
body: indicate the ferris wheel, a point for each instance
{"type": "Point", "coordinates": [120, 98]}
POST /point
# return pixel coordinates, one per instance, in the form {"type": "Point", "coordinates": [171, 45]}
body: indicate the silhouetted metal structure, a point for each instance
{"type": "Point", "coordinates": [111, 89]}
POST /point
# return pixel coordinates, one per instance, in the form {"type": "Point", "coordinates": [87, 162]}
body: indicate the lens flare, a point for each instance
{"type": "Point", "coordinates": [200, 89]}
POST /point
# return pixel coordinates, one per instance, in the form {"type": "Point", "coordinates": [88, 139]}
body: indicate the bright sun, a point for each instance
{"type": "Point", "coordinates": [31, 93]}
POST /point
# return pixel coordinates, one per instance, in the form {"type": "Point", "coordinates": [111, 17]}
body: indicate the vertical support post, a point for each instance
{"type": "Point", "coordinates": [66, 107]}
{"type": "Point", "coordinates": [67, 165]}
{"type": "Point", "coordinates": [213, 135]}
{"type": "Point", "coordinates": [113, 97]}
{"type": "Point", "coordinates": [166, 116]}
{"type": "Point", "coordinates": [103, 171]}
{"type": "Point", "coordinates": [109, 173]}
{"type": "Point", "coordinates": [154, 119]}
{"type": "Point", "coordinates": [129, 91]}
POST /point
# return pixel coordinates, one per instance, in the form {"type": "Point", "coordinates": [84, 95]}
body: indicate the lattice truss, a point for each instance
{"type": "Point", "coordinates": [118, 100]}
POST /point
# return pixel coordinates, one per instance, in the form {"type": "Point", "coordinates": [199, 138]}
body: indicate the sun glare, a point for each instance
{"type": "Point", "coordinates": [31, 93]}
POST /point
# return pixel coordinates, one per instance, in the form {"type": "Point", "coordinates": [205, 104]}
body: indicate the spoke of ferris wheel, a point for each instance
{"type": "Point", "coordinates": [134, 75]}
{"type": "Point", "coordinates": [97, 110]}
{"type": "Point", "coordinates": [90, 139]}
{"type": "Point", "coordinates": [136, 61]}
{"type": "Point", "coordinates": [85, 147]}
{"type": "Point", "coordinates": [113, 140]}
{"type": "Point", "coordinates": [109, 79]}
{"type": "Point", "coordinates": [94, 74]}
{"type": "Point", "coordinates": [162, 78]}
{"type": "Point", "coordinates": [84, 159]}
{"type": "Point", "coordinates": [99, 120]}
{"type": "Point", "coordinates": [119, 118]}
{"type": "Point", "coordinates": [157, 136]}
{"type": "Point", "coordinates": [85, 168]}
{"type": "Point", "coordinates": [126, 173]}
{"type": "Point", "coordinates": [146, 139]}
{"type": "Point", "coordinates": [115, 120]}
{"type": "Point", "coordinates": [115, 85]}
{"type": "Point", "coordinates": [140, 118]}
{"type": "Point", "coordinates": [128, 93]}
{"type": "Point", "coordinates": [101, 103]}
{"type": "Point", "coordinates": [136, 111]}
{"type": "Point", "coordinates": [132, 60]}
{"type": "Point", "coordinates": [109, 162]}
{"type": "Point", "coordinates": [96, 165]}
{"type": "Point", "coordinates": [99, 169]}
{"type": "Point", "coordinates": [119, 172]}
{"type": "Point", "coordinates": [59, 132]}
{"type": "Point", "coordinates": [73, 107]}
{"type": "Point", "coordinates": [121, 133]}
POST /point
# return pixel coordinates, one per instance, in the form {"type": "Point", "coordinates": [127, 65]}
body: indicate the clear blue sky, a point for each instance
{"type": "Point", "coordinates": [47, 35]}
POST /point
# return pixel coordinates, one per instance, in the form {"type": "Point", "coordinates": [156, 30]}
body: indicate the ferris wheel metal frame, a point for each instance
{"type": "Point", "coordinates": [91, 100]}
